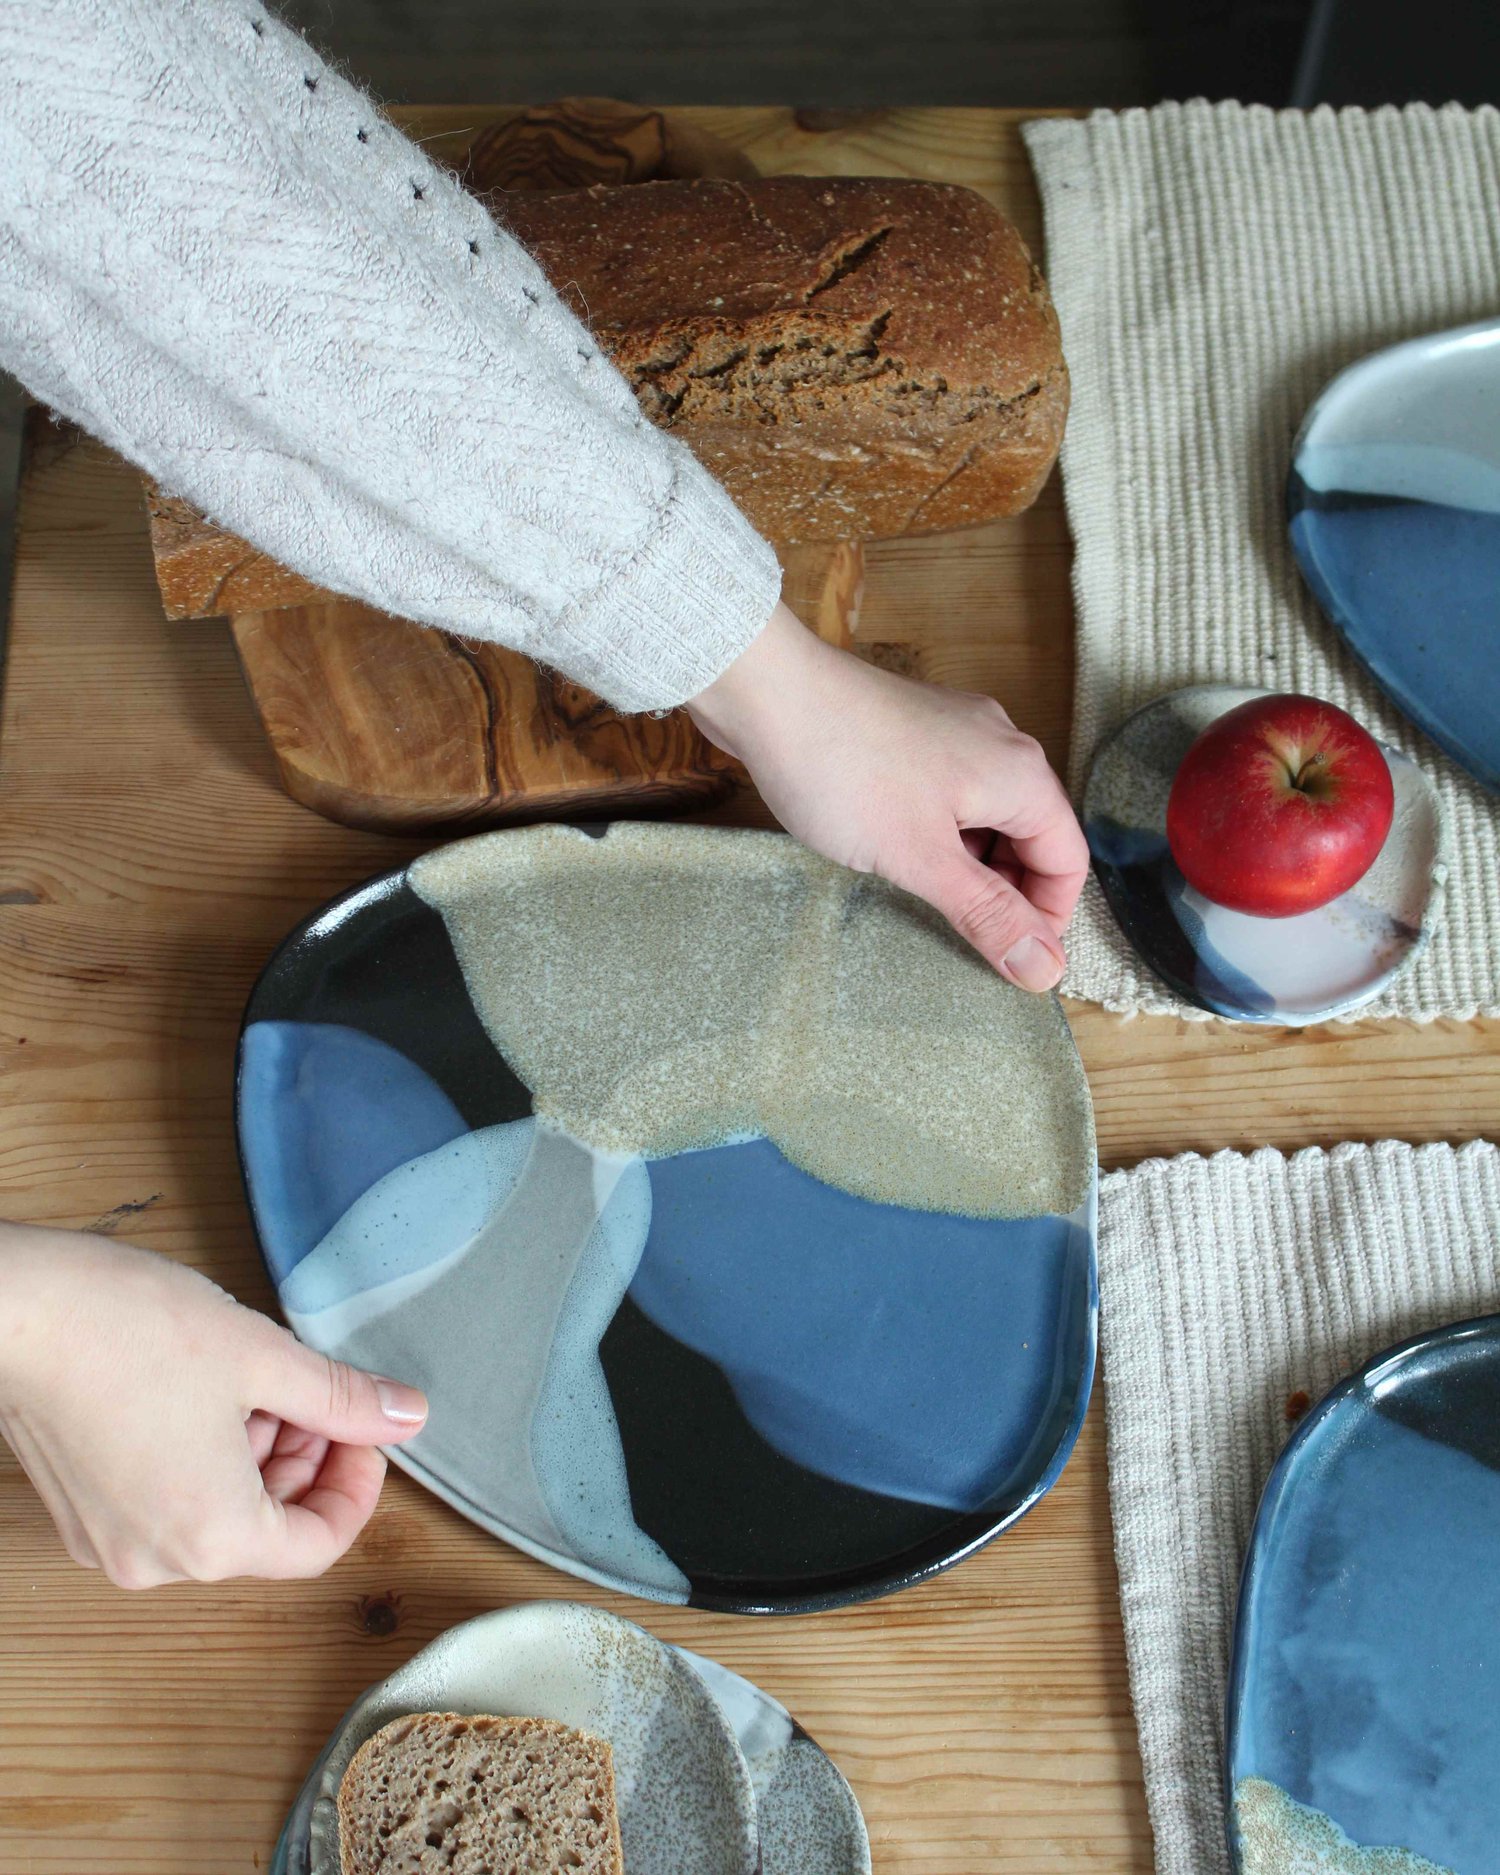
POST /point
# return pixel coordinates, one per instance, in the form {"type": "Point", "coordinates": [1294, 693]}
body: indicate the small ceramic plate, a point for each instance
{"type": "Point", "coordinates": [681, 1780]}
{"type": "Point", "coordinates": [1364, 1717]}
{"type": "Point", "coordinates": [1394, 506]}
{"type": "Point", "coordinates": [1279, 970]}
{"type": "Point", "coordinates": [707, 1378]}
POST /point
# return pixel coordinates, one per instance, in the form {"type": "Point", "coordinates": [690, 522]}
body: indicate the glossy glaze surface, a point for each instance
{"type": "Point", "coordinates": [705, 1377]}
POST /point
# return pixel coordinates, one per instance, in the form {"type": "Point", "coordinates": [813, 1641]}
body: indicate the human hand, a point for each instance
{"type": "Point", "coordinates": [935, 790]}
{"type": "Point", "coordinates": [172, 1433]}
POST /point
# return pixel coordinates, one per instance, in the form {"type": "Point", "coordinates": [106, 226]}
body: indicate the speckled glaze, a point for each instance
{"type": "Point", "coordinates": [1363, 1722]}
{"type": "Point", "coordinates": [1394, 508]}
{"type": "Point", "coordinates": [690, 1797]}
{"type": "Point", "coordinates": [810, 1821]}
{"type": "Point", "coordinates": [1288, 971]}
{"type": "Point", "coordinates": [708, 1377]}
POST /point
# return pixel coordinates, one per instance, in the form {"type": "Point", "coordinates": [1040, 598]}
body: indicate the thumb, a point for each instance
{"type": "Point", "coordinates": [1000, 922]}
{"type": "Point", "coordinates": [329, 1397]}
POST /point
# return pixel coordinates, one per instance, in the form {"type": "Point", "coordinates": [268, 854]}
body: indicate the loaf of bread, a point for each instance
{"type": "Point", "coordinates": [479, 1796]}
{"type": "Point", "coordinates": [854, 359]}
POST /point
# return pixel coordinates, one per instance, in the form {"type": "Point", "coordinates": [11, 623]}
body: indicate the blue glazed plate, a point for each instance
{"type": "Point", "coordinates": [1289, 971]}
{"type": "Point", "coordinates": [706, 1378]}
{"type": "Point", "coordinates": [1364, 1716]}
{"type": "Point", "coordinates": [1394, 506]}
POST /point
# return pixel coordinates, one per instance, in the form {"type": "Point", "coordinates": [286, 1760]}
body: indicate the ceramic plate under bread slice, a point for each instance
{"type": "Point", "coordinates": [750, 1366]}
{"type": "Point", "coordinates": [711, 1774]}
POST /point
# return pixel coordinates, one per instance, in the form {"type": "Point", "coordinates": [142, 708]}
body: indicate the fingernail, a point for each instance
{"type": "Point", "coordinates": [1033, 966]}
{"type": "Point", "coordinates": [402, 1404]}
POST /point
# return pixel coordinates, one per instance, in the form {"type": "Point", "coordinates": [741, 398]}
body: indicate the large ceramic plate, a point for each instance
{"type": "Point", "coordinates": [1279, 970]}
{"type": "Point", "coordinates": [1394, 507]}
{"type": "Point", "coordinates": [1364, 1706]}
{"type": "Point", "coordinates": [705, 1377]}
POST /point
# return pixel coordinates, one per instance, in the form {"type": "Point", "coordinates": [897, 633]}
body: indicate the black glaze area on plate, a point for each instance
{"type": "Point", "coordinates": [1452, 1400]}
{"type": "Point", "coordinates": [1137, 896]}
{"type": "Point", "coordinates": [707, 1486]}
{"type": "Point", "coordinates": [314, 978]}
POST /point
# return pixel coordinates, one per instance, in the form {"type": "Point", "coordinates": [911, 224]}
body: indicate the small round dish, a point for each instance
{"type": "Point", "coordinates": [1363, 1716]}
{"type": "Point", "coordinates": [1394, 509]}
{"type": "Point", "coordinates": [708, 1768]}
{"type": "Point", "coordinates": [1290, 971]}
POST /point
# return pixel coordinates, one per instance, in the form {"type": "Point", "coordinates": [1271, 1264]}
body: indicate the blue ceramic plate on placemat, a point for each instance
{"type": "Point", "coordinates": [1279, 970]}
{"type": "Point", "coordinates": [1394, 505]}
{"type": "Point", "coordinates": [1364, 1703]}
{"type": "Point", "coordinates": [701, 1372]}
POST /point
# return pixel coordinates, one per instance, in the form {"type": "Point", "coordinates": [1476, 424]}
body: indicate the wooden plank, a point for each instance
{"type": "Point", "coordinates": [149, 862]}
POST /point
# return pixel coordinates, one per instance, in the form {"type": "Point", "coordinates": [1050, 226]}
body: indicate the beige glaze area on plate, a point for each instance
{"type": "Point", "coordinates": [665, 988]}
{"type": "Point", "coordinates": [1279, 1836]}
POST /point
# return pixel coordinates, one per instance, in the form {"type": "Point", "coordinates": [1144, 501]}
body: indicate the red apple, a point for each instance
{"type": "Point", "coordinates": [1279, 806]}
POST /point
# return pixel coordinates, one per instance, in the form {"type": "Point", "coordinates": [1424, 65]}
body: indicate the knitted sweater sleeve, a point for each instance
{"type": "Point", "coordinates": [219, 258]}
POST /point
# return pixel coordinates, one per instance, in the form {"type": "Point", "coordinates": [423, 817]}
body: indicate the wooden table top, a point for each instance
{"type": "Point", "coordinates": [149, 865]}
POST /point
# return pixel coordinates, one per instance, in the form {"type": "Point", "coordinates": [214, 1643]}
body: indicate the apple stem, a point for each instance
{"type": "Point", "coordinates": [1309, 772]}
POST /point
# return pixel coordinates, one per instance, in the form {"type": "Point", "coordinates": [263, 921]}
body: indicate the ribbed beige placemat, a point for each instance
{"type": "Point", "coordinates": [1227, 1287]}
{"type": "Point", "coordinates": [1214, 266]}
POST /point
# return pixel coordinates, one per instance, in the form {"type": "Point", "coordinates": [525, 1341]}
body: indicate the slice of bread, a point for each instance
{"type": "Point", "coordinates": [437, 1791]}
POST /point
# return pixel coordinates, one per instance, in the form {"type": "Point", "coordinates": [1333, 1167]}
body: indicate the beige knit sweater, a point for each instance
{"type": "Point", "coordinates": [218, 257]}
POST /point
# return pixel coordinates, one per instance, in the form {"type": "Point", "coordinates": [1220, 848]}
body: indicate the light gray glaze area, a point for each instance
{"type": "Point", "coordinates": [810, 1820]}
{"type": "Point", "coordinates": [685, 1797]}
{"type": "Point", "coordinates": [1419, 421]}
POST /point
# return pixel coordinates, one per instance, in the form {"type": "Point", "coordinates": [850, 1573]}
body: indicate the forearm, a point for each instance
{"type": "Point", "coordinates": [218, 257]}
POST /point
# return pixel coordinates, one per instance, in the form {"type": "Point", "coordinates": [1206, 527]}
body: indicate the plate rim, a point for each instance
{"type": "Point", "coordinates": [1294, 503]}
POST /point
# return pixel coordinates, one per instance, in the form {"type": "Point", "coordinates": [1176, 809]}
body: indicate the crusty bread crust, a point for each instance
{"type": "Point", "coordinates": [439, 1791]}
{"type": "Point", "coordinates": [852, 358]}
